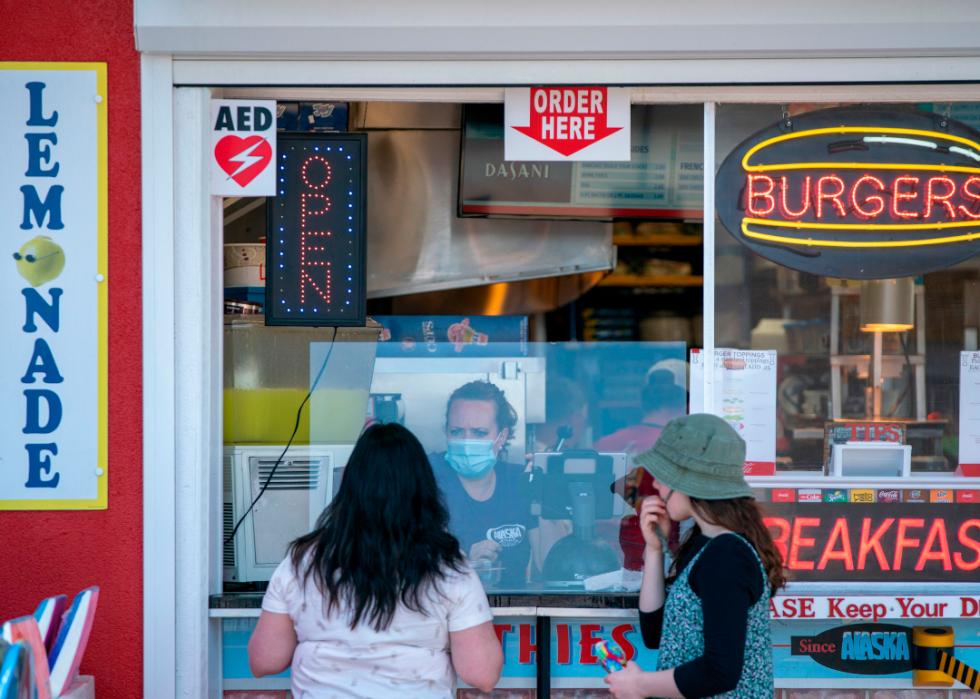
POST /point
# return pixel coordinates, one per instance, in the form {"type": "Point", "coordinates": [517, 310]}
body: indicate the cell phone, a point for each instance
{"type": "Point", "coordinates": [610, 655]}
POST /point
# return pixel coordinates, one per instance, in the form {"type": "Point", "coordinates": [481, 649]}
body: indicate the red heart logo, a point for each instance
{"type": "Point", "coordinates": [243, 158]}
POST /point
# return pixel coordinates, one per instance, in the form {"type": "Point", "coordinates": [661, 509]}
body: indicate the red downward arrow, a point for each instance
{"type": "Point", "coordinates": [568, 119]}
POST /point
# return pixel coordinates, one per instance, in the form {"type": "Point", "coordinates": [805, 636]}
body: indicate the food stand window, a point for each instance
{"type": "Point", "coordinates": [845, 245]}
{"type": "Point", "coordinates": [543, 397]}
{"type": "Point", "coordinates": [558, 527]}
{"type": "Point", "coordinates": [851, 383]}
{"type": "Point", "coordinates": [844, 312]}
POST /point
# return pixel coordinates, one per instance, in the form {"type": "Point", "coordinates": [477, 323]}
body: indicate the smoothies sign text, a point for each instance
{"type": "Point", "coordinates": [865, 187]}
{"type": "Point", "coordinates": [567, 123]}
{"type": "Point", "coordinates": [53, 287]}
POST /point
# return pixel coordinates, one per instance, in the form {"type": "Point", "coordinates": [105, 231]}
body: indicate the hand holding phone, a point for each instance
{"type": "Point", "coordinates": [611, 656]}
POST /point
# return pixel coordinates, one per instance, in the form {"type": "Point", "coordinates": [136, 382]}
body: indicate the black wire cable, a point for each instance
{"type": "Point", "coordinates": [299, 414]}
{"type": "Point", "coordinates": [908, 383]}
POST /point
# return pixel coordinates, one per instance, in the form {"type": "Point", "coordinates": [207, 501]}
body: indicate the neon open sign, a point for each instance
{"type": "Point", "coordinates": [856, 193]}
{"type": "Point", "coordinates": [316, 231]}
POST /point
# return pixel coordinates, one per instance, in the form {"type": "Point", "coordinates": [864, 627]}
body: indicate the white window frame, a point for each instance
{"type": "Point", "coordinates": [182, 269]}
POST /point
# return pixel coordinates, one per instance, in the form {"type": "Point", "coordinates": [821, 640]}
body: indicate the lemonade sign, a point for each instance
{"type": "Point", "coordinates": [53, 286]}
{"type": "Point", "coordinates": [745, 398]}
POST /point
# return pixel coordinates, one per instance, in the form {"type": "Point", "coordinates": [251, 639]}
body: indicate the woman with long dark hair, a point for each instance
{"type": "Point", "coordinates": [713, 628]}
{"type": "Point", "coordinates": [378, 600]}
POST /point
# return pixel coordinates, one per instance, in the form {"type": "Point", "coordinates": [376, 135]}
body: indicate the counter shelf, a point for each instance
{"type": "Point", "coordinates": [249, 604]}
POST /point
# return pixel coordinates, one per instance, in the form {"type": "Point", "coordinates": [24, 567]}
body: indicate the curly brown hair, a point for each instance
{"type": "Point", "coordinates": [743, 517]}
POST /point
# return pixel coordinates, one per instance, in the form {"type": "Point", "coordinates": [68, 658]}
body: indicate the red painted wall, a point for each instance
{"type": "Point", "coordinates": [48, 553]}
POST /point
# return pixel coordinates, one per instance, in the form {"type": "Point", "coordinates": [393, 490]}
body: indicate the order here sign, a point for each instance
{"type": "Point", "coordinates": [567, 123]}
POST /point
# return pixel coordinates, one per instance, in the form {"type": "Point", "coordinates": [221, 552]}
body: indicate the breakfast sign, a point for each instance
{"type": "Point", "coordinates": [53, 287]}
{"type": "Point", "coordinates": [857, 193]}
{"type": "Point", "coordinates": [884, 541]}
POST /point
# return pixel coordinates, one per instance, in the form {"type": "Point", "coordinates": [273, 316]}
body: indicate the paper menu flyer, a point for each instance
{"type": "Point", "coordinates": [745, 398]}
{"type": "Point", "coordinates": [969, 409]}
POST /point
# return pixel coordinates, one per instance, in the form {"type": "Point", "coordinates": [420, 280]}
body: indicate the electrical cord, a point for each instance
{"type": "Point", "coordinates": [299, 414]}
{"type": "Point", "coordinates": [908, 383]}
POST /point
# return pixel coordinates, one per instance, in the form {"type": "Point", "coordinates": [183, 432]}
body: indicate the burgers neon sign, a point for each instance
{"type": "Point", "coordinates": [850, 192]}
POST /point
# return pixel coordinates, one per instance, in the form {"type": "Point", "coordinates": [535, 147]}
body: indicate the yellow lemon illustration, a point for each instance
{"type": "Point", "coordinates": [40, 260]}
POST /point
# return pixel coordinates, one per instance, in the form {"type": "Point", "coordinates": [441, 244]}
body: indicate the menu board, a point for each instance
{"type": "Point", "coordinates": [663, 178]}
{"type": "Point", "coordinates": [745, 398]}
{"type": "Point", "coordinates": [970, 413]}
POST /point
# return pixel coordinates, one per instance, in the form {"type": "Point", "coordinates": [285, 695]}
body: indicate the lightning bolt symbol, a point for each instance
{"type": "Point", "coordinates": [245, 158]}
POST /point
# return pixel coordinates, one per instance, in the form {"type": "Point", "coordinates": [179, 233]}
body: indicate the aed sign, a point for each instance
{"type": "Point", "coordinates": [856, 193]}
{"type": "Point", "coordinates": [243, 148]}
{"type": "Point", "coordinates": [567, 123]}
{"type": "Point", "coordinates": [53, 286]}
{"type": "Point", "coordinates": [859, 649]}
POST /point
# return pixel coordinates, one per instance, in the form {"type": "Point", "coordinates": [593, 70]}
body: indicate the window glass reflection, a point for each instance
{"type": "Point", "coordinates": [533, 446]}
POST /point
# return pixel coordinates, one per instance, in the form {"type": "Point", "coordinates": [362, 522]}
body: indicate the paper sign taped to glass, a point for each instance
{"type": "Point", "coordinates": [745, 398]}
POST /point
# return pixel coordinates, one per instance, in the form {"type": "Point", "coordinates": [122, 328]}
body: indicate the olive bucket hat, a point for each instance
{"type": "Point", "coordinates": [701, 456]}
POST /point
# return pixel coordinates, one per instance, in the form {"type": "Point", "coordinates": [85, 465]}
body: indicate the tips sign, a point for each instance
{"type": "Point", "coordinates": [567, 123]}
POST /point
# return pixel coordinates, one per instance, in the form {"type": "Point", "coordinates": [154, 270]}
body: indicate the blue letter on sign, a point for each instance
{"type": "Point", "coordinates": [49, 312]}
{"type": "Point", "coordinates": [42, 361]}
{"type": "Point", "coordinates": [34, 397]}
{"type": "Point", "coordinates": [36, 465]}
{"type": "Point", "coordinates": [51, 205]}
{"type": "Point", "coordinates": [37, 118]}
{"type": "Point", "coordinates": [35, 154]}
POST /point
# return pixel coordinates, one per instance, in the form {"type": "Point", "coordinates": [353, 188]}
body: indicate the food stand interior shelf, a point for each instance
{"type": "Point", "coordinates": [663, 240]}
{"type": "Point", "coordinates": [638, 280]}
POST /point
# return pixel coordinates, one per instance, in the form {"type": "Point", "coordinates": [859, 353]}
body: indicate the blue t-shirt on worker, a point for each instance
{"type": "Point", "coordinates": [505, 517]}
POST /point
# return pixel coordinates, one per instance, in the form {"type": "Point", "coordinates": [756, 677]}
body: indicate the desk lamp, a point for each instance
{"type": "Point", "coordinates": [887, 305]}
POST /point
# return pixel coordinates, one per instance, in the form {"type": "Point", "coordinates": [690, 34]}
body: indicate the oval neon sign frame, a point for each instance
{"type": "Point", "coordinates": [856, 193]}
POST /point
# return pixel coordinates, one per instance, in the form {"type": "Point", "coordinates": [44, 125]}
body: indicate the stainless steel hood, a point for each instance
{"type": "Point", "coordinates": [417, 244]}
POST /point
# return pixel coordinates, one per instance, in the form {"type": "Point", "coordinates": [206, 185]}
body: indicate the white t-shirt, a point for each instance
{"type": "Point", "coordinates": [408, 659]}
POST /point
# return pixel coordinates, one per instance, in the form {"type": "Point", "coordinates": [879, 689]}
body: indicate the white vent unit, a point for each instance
{"type": "Point", "coordinates": [292, 474]}
{"type": "Point", "coordinates": [228, 516]}
{"type": "Point", "coordinates": [299, 490]}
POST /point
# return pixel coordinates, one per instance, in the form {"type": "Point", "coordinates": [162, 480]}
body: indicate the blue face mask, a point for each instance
{"type": "Point", "coordinates": [471, 458]}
